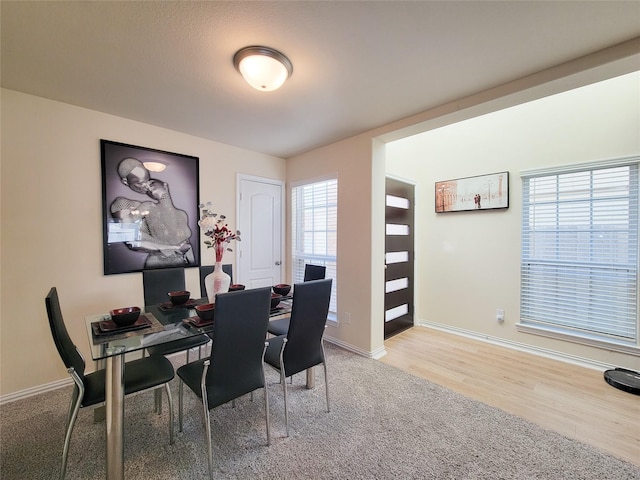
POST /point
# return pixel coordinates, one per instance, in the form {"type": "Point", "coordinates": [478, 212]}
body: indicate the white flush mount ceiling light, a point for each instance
{"type": "Point", "coordinates": [263, 68]}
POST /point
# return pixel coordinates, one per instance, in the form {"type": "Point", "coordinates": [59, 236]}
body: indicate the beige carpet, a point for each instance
{"type": "Point", "coordinates": [384, 424]}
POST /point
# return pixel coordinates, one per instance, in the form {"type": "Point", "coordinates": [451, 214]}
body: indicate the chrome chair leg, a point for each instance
{"type": "Point", "coordinates": [170, 402]}
{"type": "Point", "coordinates": [180, 406]}
{"type": "Point", "coordinates": [72, 403]}
{"type": "Point", "coordinates": [284, 390]}
{"type": "Point", "coordinates": [283, 380]}
{"type": "Point", "coordinates": [67, 439]}
{"type": "Point", "coordinates": [326, 378]}
{"type": "Point", "coordinates": [74, 408]}
{"type": "Point", "coordinates": [207, 424]}
{"type": "Point", "coordinates": [326, 385]}
{"type": "Point", "coordinates": [266, 413]}
{"type": "Point", "coordinates": [266, 396]}
{"type": "Point", "coordinates": [207, 418]}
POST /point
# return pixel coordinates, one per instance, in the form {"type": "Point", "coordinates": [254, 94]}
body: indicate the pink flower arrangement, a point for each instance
{"type": "Point", "coordinates": [217, 230]}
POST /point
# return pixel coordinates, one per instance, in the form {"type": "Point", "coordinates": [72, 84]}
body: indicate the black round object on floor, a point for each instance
{"type": "Point", "coordinates": [623, 379]}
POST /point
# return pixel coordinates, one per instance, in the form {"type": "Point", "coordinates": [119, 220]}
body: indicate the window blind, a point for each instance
{"type": "Point", "coordinates": [579, 263]}
{"type": "Point", "coordinates": [314, 225]}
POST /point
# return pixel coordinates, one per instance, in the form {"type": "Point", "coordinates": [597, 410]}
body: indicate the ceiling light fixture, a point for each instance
{"type": "Point", "coordinates": [263, 68]}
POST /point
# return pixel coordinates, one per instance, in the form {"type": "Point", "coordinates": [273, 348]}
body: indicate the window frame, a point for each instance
{"type": "Point", "coordinates": [547, 328]}
{"type": "Point", "coordinates": [298, 258]}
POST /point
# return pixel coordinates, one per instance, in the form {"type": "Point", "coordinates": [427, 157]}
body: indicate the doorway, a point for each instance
{"type": "Point", "coordinates": [399, 257]}
{"type": "Point", "coordinates": [260, 213]}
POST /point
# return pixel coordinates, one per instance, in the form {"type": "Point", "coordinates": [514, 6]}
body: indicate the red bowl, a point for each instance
{"type": "Point", "coordinates": [275, 299]}
{"type": "Point", "coordinates": [234, 287]}
{"type": "Point", "coordinates": [179, 297]}
{"type": "Point", "coordinates": [282, 289]}
{"type": "Point", "coordinates": [123, 317]}
{"type": "Point", "coordinates": [206, 311]}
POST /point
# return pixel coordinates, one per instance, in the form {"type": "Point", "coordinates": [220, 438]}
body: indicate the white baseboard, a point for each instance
{"type": "Point", "coordinates": [379, 353]}
{"type": "Point", "coordinates": [29, 392]}
{"type": "Point", "coordinates": [543, 352]}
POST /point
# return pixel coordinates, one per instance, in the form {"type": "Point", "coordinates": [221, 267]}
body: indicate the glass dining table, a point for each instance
{"type": "Point", "coordinates": [158, 324]}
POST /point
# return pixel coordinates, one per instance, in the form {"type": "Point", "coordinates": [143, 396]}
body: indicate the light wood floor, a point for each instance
{"type": "Point", "coordinates": [574, 401]}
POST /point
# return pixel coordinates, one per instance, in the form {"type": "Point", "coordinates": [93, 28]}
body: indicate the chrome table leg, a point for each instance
{"type": "Point", "coordinates": [114, 404]}
{"type": "Point", "coordinates": [99, 413]}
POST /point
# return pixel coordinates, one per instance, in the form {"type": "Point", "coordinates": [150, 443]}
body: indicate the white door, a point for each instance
{"type": "Point", "coordinates": [260, 213]}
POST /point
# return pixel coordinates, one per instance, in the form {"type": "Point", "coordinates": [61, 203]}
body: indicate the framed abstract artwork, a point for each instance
{"type": "Point", "coordinates": [483, 192]}
{"type": "Point", "coordinates": [149, 208]}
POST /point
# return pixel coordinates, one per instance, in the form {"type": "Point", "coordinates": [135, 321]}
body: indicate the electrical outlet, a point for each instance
{"type": "Point", "coordinates": [500, 315]}
{"type": "Point", "coordinates": [347, 318]}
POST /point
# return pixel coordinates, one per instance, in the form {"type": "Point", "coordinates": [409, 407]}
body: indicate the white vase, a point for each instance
{"type": "Point", "coordinates": [216, 282]}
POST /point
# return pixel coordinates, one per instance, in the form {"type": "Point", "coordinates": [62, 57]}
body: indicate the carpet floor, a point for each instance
{"type": "Point", "coordinates": [383, 424]}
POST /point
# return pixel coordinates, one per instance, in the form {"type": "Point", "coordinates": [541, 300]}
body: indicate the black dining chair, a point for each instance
{"type": "Point", "coordinates": [236, 364]}
{"type": "Point", "coordinates": [157, 285]}
{"type": "Point", "coordinates": [311, 273]}
{"type": "Point", "coordinates": [89, 388]}
{"type": "Point", "coordinates": [207, 269]}
{"type": "Point", "coordinates": [302, 346]}
{"type": "Point", "coordinates": [314, 272]}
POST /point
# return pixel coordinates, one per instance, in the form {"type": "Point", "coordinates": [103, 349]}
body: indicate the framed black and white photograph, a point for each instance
{"type": "Point", "coordinates": [150, 208]}
{"type": "Point", "coordinates": [483, 192]}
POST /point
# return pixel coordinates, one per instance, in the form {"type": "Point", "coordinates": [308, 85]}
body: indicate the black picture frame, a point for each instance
{"type": "Point", "coordinates": [482, 192]}
{"type": "Point", "coordinates": [150, 220]}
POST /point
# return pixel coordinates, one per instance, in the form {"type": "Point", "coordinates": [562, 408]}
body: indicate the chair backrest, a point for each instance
{"type": "Point", "coordinates": [207, 269]}
{"type": "Point", "coordinates": [314, 272]}
{"type": "Point", "coordinates": [66, 348]}
{"type": "Point", "coordinates": [158, 283]}
{"type": "Point", "coordinates": [306, 325]}
{"type": "Point", "coordinates": [239, 335]}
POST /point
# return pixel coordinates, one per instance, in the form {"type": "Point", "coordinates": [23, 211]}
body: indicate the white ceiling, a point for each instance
{"type": "Point", "coordinates": [357, 65]}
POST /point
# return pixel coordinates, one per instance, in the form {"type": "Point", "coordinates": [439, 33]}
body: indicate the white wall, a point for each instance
{"type": "Point", "coordinates": [468, 262]}
{"type": "Point", "coordinates": [51, 221]}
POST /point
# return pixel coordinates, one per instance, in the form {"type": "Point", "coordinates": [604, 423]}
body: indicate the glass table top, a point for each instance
{"type": "Point", "coordinates": [164, 324]}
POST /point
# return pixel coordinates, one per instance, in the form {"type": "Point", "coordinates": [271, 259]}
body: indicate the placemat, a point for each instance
{"type": "Point", "coordinates": [191, 303]}
{"type": "Point", "coordinates": [109, 326]}
{"type": "Point", "coordinates": [150, 324]}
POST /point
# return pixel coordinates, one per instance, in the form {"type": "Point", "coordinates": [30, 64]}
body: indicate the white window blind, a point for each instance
{"type": "Point", "coordinates": [579, 270]}
{"type": "Point", "coordinates": [314, 225]}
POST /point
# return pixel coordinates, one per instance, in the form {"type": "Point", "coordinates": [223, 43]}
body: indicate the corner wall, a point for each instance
{"type": "Point", "coordinates": [351, 162]}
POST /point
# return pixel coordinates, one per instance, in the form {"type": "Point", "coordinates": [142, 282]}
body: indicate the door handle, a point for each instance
{"type": "Point", "coordinates": [278, 262]}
